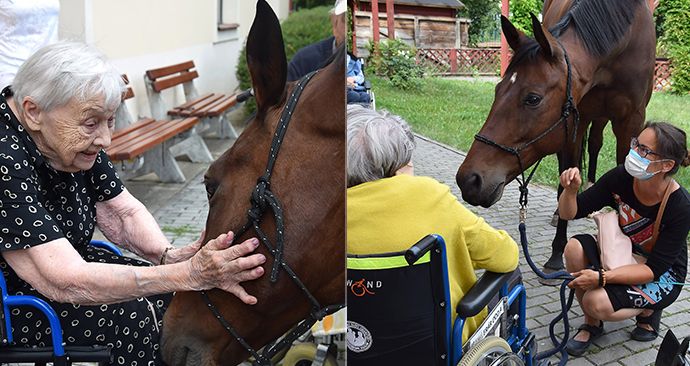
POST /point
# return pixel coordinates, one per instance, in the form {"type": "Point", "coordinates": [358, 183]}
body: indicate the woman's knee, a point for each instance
{"type": "Point", "coordinates": [597, 303]}
{"type": "Point", "coordinates": [573, 251]}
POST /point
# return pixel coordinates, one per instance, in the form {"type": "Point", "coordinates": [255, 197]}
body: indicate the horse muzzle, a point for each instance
{"type": "Point", "coordinates": [477, 190]}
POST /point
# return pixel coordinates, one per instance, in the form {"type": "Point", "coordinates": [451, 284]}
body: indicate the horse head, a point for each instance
{"type": "Point", "coordinates": [308, 180]}
{"type": "Point", "coordinates": [527, 106]}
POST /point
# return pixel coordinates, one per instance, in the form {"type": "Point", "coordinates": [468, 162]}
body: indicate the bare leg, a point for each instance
{"type": "Point", "coordinates": [598, 304]}
{"type": "Point", "coordinates": [576, 260]}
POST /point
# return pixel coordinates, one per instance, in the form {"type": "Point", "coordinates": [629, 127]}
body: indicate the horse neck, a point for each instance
{"type": "Point", "coordinates": [584, 66]}
{"type": "Point", "coordinates": [554, 10]}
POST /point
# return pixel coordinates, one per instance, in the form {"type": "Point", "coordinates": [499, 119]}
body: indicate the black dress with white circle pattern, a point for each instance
{"type": "Point", "coordinates": [39, 204]}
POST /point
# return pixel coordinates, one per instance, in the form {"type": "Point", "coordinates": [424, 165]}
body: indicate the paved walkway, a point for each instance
{"type": "Point", "coordinates": [613, 348]}
{"type": "Point", "coordinates": [181, 211]}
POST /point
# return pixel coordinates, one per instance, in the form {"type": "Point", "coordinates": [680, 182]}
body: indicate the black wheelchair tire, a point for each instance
{"type": "Point", "coordinates": [303, 354]}
{"type": "Point", "coordinates": [490, 346]}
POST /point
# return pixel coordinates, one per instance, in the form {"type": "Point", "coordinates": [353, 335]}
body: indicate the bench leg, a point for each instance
{"type": "Point", "coordinates": [159, 160]}
{"type": "Point", "coordinates": [194, 147]}
{"type": "Point", "coordinates": [225, 128]}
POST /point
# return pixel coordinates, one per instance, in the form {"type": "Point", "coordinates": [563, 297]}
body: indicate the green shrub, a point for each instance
{"type": "Point", "coordinates": [395, 60]}
{"type": "Point", "coordinates": [520, 14]}
{"type": "Point", "coordinates": [675, 41]}
{"type": "Point", "coordinates": [301, 28]}
{"type": "Point", "coordinates": [483, 15]}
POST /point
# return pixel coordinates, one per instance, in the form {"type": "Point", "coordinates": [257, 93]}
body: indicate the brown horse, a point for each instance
{"type": "Point", "coordinates": [610, 46]}
{"type": "Point", "coordinates": [308, 179]}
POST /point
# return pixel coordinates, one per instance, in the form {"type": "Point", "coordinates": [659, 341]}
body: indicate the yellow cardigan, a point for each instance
{"type": "Point", "coordinates": [391, 214]}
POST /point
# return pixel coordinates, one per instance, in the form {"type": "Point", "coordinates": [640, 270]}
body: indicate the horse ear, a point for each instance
{"type": "Point", "coordinates": [512, 34]}
{"type": "Point", "coordinates": [266, 57]}
{"type": "Point", "coordinates": [548, 44]}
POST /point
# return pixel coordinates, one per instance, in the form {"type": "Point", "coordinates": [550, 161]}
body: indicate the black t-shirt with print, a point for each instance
{"type": "Point", "coordinates": [39, 204]}
{"type": "Point", "coordinates": [615, 189]}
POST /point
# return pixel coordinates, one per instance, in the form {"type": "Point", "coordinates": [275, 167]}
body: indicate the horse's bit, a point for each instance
{"type": "Point", "coordinates": [261, 199]}
{"type": "Point", "coordinates": [568, 108]}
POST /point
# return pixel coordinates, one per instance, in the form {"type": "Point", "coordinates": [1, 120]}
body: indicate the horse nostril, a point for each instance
{"type": "Point", "coordinates": [472, 182]}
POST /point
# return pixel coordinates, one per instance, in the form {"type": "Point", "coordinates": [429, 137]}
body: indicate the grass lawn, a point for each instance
{"type": "Point", "coordinates": [452, 111]}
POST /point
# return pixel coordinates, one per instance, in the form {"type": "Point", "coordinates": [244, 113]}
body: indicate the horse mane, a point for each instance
{"type": "Point", "coordinates": [600, 25]}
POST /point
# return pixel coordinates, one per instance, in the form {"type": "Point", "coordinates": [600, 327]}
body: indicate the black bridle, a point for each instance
{"type": "Point", "coordinates": [567, 109]}
{"type": "Point", "coordinates": [261, 199]}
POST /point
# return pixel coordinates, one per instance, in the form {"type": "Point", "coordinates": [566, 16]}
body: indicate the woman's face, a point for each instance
{"type": "Point", "coordinates": [73, 134]}
{"type": "Point", "coordinates": [647, 141]}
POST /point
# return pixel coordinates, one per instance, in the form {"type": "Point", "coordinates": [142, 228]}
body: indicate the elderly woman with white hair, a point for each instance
{"type": "Point", "coordinates": [57, 184]}
{"type": "Point", "coordinates": [389, 209]}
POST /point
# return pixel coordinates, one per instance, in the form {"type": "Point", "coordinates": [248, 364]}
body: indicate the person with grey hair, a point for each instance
{"type": "Point", "coordinates": [389, 209]}
{"type": "Point", "coordinates": [58, 184]}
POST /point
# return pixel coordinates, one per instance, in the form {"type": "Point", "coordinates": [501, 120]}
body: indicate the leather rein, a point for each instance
{"type": "Point", "coordinates": [261, 199]}
{"type": "Point", "coordinates": [567, 109]}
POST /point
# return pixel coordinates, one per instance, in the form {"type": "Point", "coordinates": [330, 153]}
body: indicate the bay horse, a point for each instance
{"type": "Point", "coordinates": [308, 179]}
{"type": "Point", "coordinates": [607, 50]}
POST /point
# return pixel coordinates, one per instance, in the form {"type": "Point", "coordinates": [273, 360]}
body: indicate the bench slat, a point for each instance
{"type": "Point", "coordinates": [142, 144]}
{"type": "Point", "coordinates": [134, 126]}
{"type": "Point", "coordinates": [183, 77]}
{"type": "Point", "coordinates": [123, 139]}
{"type": "Point", "coordinates": [154, 74]}
{"type": "Point", "coordinates": [197, 110]}
{"type": "Point", "coordinates": [191, 103]}
{"type": "Point", "coordinates": [220, 108]}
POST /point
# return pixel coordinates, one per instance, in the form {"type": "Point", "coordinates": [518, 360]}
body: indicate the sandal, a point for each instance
{"type": "Point", "coordinates": [646, 335]}
{"type": "Point", "coordinates": [577, 348]}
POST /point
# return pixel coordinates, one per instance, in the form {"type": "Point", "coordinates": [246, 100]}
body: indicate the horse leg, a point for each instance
{"type": "Point", "coordinates": [555, 261]}
{"type": "Point", "coordinates": [594, 144]}
{"type": "Point", "coordinates": [625, 129]}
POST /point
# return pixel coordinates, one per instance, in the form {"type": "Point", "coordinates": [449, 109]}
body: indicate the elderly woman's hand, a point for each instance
{"type": "Point", "coordinates": [182, 254]}
{"type": "Point", "coordinates": [219, 265]}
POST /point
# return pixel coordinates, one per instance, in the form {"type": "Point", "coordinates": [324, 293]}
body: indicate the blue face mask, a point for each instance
{"type": "Point", "coordinates": [637, 166]}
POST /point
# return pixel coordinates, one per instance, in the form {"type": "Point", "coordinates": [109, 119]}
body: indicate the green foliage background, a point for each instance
{"type": "Point", "coordinates": [301, 28]}
{"type": "Point", "coordinates": [520, 13]}
{"type": "Point", "coordinates": [395, 60]}
{"type": "Point", "coordinates": [483, 14]}
{"type": "Point", "coordinates": [675, 40]}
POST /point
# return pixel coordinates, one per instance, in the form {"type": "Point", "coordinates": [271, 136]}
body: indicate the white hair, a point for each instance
{"type": "Point", "coordinates": [59, 72]}
{"type": "Point", "coordinates": [378, 144]}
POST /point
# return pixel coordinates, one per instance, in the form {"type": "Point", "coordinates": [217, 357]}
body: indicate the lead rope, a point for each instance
{"type": "Point", "coordinates": [261, 199]}
{"type": "Point", "coordinates": [567, 109]}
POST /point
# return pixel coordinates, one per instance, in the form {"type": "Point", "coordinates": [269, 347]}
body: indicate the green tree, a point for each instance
{"type": "Point", "coordinates": [520, 13]}
{"type": "Point", "coordinates": [676, 41]}
{"type": "Point", "coordinates": [306, 4]}
{"type": "Point", "coordinates": [483, 14]}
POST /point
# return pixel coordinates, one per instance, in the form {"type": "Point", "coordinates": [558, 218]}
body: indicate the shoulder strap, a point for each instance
{"type": "Point", "coordinates": [657, 223]}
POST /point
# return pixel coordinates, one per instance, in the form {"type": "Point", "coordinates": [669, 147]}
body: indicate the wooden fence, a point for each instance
{"type": "Point", "coordinates": [487, 62]}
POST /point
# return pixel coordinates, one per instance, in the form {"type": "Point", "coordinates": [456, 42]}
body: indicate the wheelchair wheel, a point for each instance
{"type": "Point", "coordinates": [303, 354]}
{"type": "Point", "coordinates": [491, 351]}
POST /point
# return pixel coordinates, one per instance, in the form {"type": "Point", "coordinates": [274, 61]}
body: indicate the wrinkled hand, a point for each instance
{"type": "Point", "coordinates": [586, 280]}
{"type": "Point", "coordinates": [570, 180]}
{"type": "Point", "coordinates": [182, 254]}
{"type": "Point", "coordinates": [219, 265]}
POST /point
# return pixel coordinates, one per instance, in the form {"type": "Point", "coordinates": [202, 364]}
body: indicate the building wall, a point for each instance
{"type": "Point", "coordinates": [142, 34]}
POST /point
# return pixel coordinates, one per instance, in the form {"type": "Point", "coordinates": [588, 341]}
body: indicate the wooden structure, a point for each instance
{"type": "Point", "coordinates": [421, 23]}
{"type": "Point", "coordinates": [144, 146]}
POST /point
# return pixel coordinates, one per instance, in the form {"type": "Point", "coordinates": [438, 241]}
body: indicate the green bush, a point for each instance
{"type": "Point", "coordinates": [395, 60]}
{"type": "Point", "coordinates": [520, 14]}
{"type": "Point", "coordinates": [676, 30]}
{"type": "Point", "coordinates": [483, 15]}
{"type": "Point", "coordinates": [301, 28]}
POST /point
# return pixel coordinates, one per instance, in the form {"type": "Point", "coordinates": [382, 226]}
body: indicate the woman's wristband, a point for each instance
{"type": "Point", "coordinates": [602, 277]}
{"type": "Point", "coordinates": [165, 252]}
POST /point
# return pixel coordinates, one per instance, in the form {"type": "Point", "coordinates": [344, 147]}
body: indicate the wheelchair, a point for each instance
{"type": "Point", "coordinates": [398, 312]}
{"type": "Point", "coordinates": [58, 354]}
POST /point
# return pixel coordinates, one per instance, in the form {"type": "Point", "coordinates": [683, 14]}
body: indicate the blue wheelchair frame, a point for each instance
{"type": "Point", "coordinates": [472, 303]}
{"type": "Point", "coordinates": [9, 301]}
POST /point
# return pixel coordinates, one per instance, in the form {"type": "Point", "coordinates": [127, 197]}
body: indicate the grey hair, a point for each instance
{"type": "Point", "coordinates": [378, 144]}
{"type": "Point", "coordinates": [59, 72]}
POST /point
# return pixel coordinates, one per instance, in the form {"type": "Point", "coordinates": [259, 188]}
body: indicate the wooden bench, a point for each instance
{"type": "Point", "coordinates": [144, 146]}
{"type": "Point", "coordinates": [211, 108]}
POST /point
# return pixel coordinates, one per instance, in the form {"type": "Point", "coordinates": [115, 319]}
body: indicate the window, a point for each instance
{"type": "Point", "coordinates": [227, 15]}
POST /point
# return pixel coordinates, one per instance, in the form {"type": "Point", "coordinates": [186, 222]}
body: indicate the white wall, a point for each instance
{"type": "Point", "coordinates": [142, 34]}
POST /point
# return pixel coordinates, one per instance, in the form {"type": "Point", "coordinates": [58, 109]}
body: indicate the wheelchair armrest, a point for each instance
{"type": "Point", "coordinates": [107, 246]}
{"type": "Point", "coordinates": [420, 248]}
{"type": "Point", "coordinates": [481, 293]}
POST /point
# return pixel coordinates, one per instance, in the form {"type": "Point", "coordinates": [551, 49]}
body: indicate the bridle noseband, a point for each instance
{"type": "Point", "coordinates": [568, 108]}
{"type": "Point", "coordinates": [262, 198]}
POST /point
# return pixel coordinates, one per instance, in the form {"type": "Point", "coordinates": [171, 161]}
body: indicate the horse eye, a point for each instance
{"type": "Point", "coordinates": [210, 189]}
{"type": "Point", "coordinates": [532, 100]}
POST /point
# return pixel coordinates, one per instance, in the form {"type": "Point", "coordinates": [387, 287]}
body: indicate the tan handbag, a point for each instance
{"type": "Point", "coordinates": [615, 247]}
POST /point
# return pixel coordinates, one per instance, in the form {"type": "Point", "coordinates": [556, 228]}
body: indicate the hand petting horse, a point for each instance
{"type": "Point", "coordinates": [597, 59]}
{"type": "Point", "coordinates": [282, 181]}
